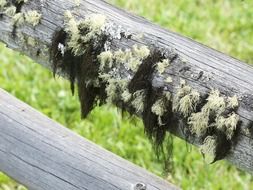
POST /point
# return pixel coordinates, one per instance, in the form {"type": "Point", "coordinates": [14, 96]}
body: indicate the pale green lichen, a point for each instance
{"type": "Point", "coordinates": [130, 58]}
{"type": "Point", "coordinates": [199, 123]}
{"type": "Point", "coordinates": [208, 149]}
{"type": "Point", "coordinates": [77, 2]}
{"type": "Point", "coordinates": [228, 125]}
{"type": "Point", "coordinates": [233, 102]}
{"type": "Point", "coordinates": [31, 41]}
{"type": "Point", "coordinates": [10, 11]}
{"type": "Point", "coordinates": [106, 60]}
{"type": "Point", "coordinates": [93, 25]}
{"type": "Point", "coordinates": [114, 88]}
{"type": "Point", "coordinates": [138, 101]}
{"type": "Point", "coordinates": [168, 80]}
{"type": "Point", "coordinates": [186, 100]}
{"type": "Point", "coordinates": [159, 108]}
{"type": "Point", "coordinates": [216, 105]}
{"type": "Point", "coordinates": [18, 19]}
{"type": "Point", "coordinates": [162, 65]}
{"type": "Point", "coordinates": [126, 96]}
{"type": "Point", "coordinates": [3, 3]}
{"type": "Point", "coordinates": [32, 17]}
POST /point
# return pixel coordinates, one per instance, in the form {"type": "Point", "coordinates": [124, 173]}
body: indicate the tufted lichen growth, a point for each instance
{"type": "Point", "coordinates": [162, 65]}
{"type": "Point", "coordinates": [186, 100]}
{"type": "Point", "coordinates": [3, 3]}
{"type": "Point", "coordinates": [208, 149]}
{"type": "Point", "coordinates": [10, 11]}
{"type": "Point", "coordinates": [32, 17]}
{"type": "Point", "coordinates": [92, 26]}
{"type": "Point", "coordinates": [228, 125]}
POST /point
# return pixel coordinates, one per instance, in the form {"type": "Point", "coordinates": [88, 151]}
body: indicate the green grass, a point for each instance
{"type": "Point", "coordinates": [223, 25]}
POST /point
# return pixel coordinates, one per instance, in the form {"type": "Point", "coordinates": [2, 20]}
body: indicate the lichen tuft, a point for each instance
{"type": "Point", "coordinates": [33, 17]}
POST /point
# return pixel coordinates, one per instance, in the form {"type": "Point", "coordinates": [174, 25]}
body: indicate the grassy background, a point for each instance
{"type": "Point", "coordinates": [223, 25]}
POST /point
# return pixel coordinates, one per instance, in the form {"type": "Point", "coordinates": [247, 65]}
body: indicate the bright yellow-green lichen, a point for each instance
{"type": "Point", "coordinates": [33, 18]}
{"type": "Point", "coordinates": [93, 24]}
{"type": "Point", "coordinates": [208, 149]}
{"type": "Point", "coordinates": [161, 66]}
{"type": "Point", "coordinates": [186, 100]}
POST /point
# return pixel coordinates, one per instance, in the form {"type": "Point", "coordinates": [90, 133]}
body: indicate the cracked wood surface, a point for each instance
{"type": "Point", "coordinates": [43, 155]}
{"type": "Point", "coordinates": [204, 69]}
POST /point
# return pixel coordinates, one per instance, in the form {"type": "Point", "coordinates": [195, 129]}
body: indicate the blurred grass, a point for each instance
{"type": "Point", "coordinates": [223, 25]}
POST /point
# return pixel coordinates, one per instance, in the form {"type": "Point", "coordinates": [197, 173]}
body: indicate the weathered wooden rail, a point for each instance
{"type": "Point", "coordinates": [198, 66]}
{"type": "Point", "coordinates": [43, 155]}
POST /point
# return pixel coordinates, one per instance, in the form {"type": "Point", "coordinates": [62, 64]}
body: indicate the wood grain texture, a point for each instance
{"type": "Point", "coordinates": [43, 155]}
{"type": "Point", "coordinates": [205, 69]}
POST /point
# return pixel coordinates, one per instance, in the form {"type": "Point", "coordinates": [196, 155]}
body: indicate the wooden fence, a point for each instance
{"type": "Point", "coordinates": [76, 40]}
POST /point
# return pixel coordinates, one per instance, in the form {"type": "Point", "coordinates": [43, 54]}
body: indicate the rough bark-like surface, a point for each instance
{"type": "Point", "coordinates": [201, 67]}
{"type": "Point", "coordinates": [43, 155]}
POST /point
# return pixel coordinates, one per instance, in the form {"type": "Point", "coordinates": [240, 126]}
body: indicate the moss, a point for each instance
{"type": "Point", "coordinates": [162, 65]}
{"type": "Point", "coordinates": [208, 149]}
{"type": "Point", "coordinates": [33, 17]}
{"type": "Point", "coordinates": [31, 41]}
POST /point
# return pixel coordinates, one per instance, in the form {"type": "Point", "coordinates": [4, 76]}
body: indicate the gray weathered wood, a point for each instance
{"type": "Point", "coordinates": [43, 155]}
{"type": "Point", "coordinates": [205, 68]}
